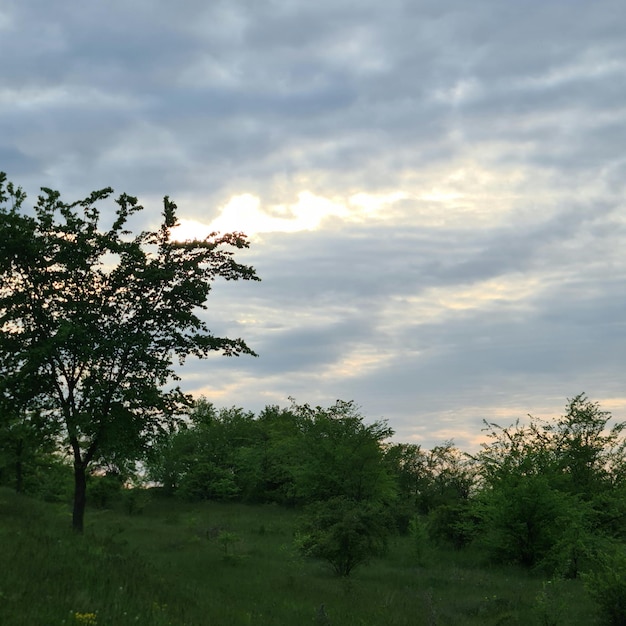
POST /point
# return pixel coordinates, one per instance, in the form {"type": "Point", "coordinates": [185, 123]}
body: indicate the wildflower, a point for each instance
{"type": "Point", "coordinates": [86, 619]}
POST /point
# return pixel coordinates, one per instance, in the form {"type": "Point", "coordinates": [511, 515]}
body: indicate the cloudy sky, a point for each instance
{"type": "Point", "coordinates": [434, 189]}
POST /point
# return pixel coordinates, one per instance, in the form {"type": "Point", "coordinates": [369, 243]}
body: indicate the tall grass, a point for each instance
{"type": "Point", "coordinates": [229, 564]}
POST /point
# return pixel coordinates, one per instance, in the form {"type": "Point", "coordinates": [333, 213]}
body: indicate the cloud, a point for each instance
{"type": "Point", "coordinates": [433, 191]}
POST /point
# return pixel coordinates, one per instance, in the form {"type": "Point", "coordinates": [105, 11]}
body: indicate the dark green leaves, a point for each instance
{"type": "Point", "coordinates": [92, 319]}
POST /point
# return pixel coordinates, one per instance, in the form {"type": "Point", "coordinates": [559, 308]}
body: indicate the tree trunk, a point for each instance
{"type": "Point", "coordinates": [80, 496]}
{"type": "Point", "coordinates": [19, 473]}
{"type": "Point", "coordinates": [19, 477]}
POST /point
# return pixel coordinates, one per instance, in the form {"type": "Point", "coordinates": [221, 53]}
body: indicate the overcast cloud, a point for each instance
{"type": "Point", "coordinates": [434, 190]}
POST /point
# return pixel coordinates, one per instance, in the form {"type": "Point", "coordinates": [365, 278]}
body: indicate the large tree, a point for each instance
{"type": "Point", "coordinates": [93, 319]}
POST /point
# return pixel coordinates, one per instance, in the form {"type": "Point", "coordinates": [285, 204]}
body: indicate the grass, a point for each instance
{"type": "Point", "coordinates": [180, 564]}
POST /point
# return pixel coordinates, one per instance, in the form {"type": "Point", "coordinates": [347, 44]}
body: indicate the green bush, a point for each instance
{"type": "Point", "coordinates": [607, 585]}
{"type": "Point", "coordinates": [453, 524]}
{"type": "Point", "coordinates": [523, 519]}
{"type": "Point", "coordinates": [418, 531]}
{"type": "Point", "coordinates": [344, 533]}
{"type": "Point", "coordinates": [102, 491]}
{"type": "Point", "coordinates": [52, 480]}
{"type": "Point", "coordinates": [135, 500]}
{"type": "Point", "coordinates": [208, 481]}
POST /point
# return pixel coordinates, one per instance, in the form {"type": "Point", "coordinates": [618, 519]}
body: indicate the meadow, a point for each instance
{"type": "Point", "coordinates": [203, 564]}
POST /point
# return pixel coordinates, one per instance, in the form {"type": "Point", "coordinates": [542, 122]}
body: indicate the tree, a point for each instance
{"type": "Point", "coordinates": [590, 455]}
{"type": "Point", "coordinates": [279, 455]}
{"type": "Point", "coordinates": [340, 455]}
{"type": "Point", "coordinates": [549, 490]}
{"type": "Point", "coordinates": [436, 483]}
{"type": "Point", "coordinates": [92, 319]}
{"type": "Point", "coordinates": [427, 479]}
{"type": "Point", "coordinates": [344, 533]}
{"type": "Point", "coordinates": [201, 460]}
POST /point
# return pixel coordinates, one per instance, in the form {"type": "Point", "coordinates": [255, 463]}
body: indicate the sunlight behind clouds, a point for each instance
{"type": "Point", "coordinates": [244, 213]}
{"type": "Point", "coordinates": [464, 195]}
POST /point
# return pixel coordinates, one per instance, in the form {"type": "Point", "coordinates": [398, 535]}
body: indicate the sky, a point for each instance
{"type": "Point", "coordinates": [434, 190]}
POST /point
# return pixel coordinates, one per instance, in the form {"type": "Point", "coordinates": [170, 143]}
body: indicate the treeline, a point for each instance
{"type": "Point", "coordinates": [290, 456]}
{"type": "Point", "coordinates": [542, 494]}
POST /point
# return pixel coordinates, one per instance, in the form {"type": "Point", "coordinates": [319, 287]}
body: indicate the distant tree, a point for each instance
{"type": "Point", "coordinates": [280, 457]}
{"type": "Point", "coordinates": [550, 490]}
{"type": "Point", "coordinates": [589, 452]}
{"type": "Point", "coordinates": [430, 478]}
{"type": "Point", "coordinates": [339, 455]}
{"type": "Point", "coordinates": [434, 483]}
{"type": "Point", "coordinates": [202, 460]}
{"type": "Point", "coordinates": [92, 319]}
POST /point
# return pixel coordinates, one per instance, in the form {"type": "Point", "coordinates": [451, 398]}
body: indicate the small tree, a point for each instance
{"type": "Point", "coordinates": [546, 487]}
{"type": "Point", "coordinates": [340, 455]}
{"type": "Point", "coordinates": [344, 533]}
{"type": "Point", "coordinates": [91, 320]}
{"type": "Point", "coordinates": [202, 459]}
{"type": "Point", "coordinates": [589, 454]}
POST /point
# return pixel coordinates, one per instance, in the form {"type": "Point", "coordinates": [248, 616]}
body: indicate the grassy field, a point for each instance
{"type": "Point", "coordinates": [228, 564]}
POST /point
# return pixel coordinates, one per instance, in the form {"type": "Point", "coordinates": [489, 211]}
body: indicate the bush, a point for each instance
{"type": "Point", "coordinates": [135, 500]}
{"type": "Point", "coordinates": [103, 490]}
{"type": "Point", "coordinates": [344, 533]}
{"type": "Point", "coordinates": [52, 480]}
{"type": "Point", "coordinates": [452, 523]}
{"type": "Point", "coordinates": [208, 481]}
{"type": "Point", "coordinates": [523, 519]}
{"type": "Point", "coordinates": [607, 586]}
{"type": "Point", "coordinates": [418, 531]}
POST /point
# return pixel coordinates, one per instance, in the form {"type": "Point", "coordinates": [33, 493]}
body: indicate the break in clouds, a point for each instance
{"type": "Point", "coordinates": [434, 190]}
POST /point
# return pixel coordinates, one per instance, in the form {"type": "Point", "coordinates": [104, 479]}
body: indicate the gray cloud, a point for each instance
{"type": "Point", "coordinates": [494, 288]}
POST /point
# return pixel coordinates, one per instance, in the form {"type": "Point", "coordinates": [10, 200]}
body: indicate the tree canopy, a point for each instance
{"type": "Point", "coordinates": [93, 319]}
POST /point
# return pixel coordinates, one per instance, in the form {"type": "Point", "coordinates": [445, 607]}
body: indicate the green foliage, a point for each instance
{"type": "Point", "coordinates": [288, 456]}
{"type": "Point", "coordinates": [231, 546]}
{"type": "Point", "coordinates": [207, 481]}
{"type": "Point", "coordinates": [454, 524]}
{"type": "Point", "coordinates": [203, 460]}
{"type": "Point", "coordinates": [523, 520]}
{"type": "Point", "coordinates": [589, 455]}
{"type": "Point", "coordinates": [344, 533]}
{"type": "Point", "coordinates": [269, 469]}
{"type": "Point", "coordinates": [418, 531]}
{"type": "Point", "coordinates": [607, 585]}
{"type": "Point", "coordinates": [428, 479]}
{"type": "Point", "coordinates": [135, 500]}
{"type": "Point", "coordinates": [544, 488]}
{"type": "Point", "coordinates": [92, 318]}
{"type": "Point", "coordinates": [104, 490]}
{"type": "Point", "coordinates": [51, 479]}
{"type": "Point", "coordinates": [25, 438]}
{"type": "Point", "coordinates": [341, 456]}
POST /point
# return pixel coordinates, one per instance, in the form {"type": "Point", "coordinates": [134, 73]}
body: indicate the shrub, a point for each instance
{"type": "Point", "coordinates": [208, 481]}
{"type": "Point", "coordinates": [52, 480]}
{"type": "Point", "coordinates": [607, 586]}
{"type": "Point", "coordinates": [452, 523]}
{"type": "Point", "coordinates": [418, 531]}
{"type": "Point", "coordinates": [523, 519]}
{"type": "Point", "coordinates": [103, 490]}
{"type": "Point", "coordinates": [344, 533]}
{"type": "Point", "coordinates": [135, 500]}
